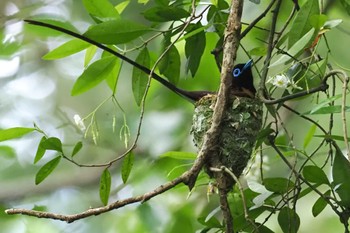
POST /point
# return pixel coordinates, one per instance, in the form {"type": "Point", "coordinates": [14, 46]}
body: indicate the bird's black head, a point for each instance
{"type": "Point", "coordinates": [243, 78]}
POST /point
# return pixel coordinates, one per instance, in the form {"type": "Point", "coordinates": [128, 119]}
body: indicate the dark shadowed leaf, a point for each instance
{"type": "Point", "coordinates": [118, 31]}
{"type": "Point", "coordinates": [46, 170]}
{"type": "Point", "coordinates": [16, 132]}
{"type": "Point", "coordinates": [341, 174]}
{"type": "Point", "coordinates": [128, 163]}
{"type": "Point", "coordinates": [346, 4]}
{"type": "Point", "coordinates": [315, 174]}
{"type": "Point", "coordinates": [320, 204]}
{"type": "Point", "coordinates": [278, 185]}
{"type": "Point", "coordinates": [139, 78]}
{"type": "Point", "coordinates": [288, 220]}
{"type": "Point", "coordinates": [94, 74]}
{"type": "Point", "coordinates": [170, 65]}
{"type": "Point", "coordinates": [105, 186]}
{"type": "Point", "coordinates": [165, 13]}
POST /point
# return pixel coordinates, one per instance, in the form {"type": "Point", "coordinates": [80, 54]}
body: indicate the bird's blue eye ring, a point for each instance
{"type": "Point", "coordinates": [236, 72]}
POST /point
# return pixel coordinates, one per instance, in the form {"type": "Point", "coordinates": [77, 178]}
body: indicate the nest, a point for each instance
{"type": "Point", "coordinates": [240, 127]}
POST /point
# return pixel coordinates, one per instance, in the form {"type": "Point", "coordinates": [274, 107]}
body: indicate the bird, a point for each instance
{"type": "Point", "coordinates": [242, 83]}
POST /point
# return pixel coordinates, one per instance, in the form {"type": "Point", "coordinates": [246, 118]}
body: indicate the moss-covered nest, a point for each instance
{"type": "Point", "coordinates": [240, 127]}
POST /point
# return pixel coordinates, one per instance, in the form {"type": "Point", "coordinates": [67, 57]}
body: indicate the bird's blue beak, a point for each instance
{"type": "Point", "coordinates": [247, 65]}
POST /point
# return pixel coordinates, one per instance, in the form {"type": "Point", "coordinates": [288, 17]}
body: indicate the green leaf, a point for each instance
{"type": "Point", "coordinates": [288, 220]}
{"type": "Point", "coordinates": [317, 21]}
{"type": "Point", "coordinates": [194, 48]}
{"type": "Point", "coordinates": [334, 137]}
{"type": "Point", "coordinates": [94, 74]}
{"type": "Point", "coordinates": [179, 155]}
{"type": "Point", "coordinates": [301, 24]}
{"type": "Point", "coordinates": [127, 165]}
{"type": "Point", "coordinates": [7, 152]}
{"type": "Point", "coordinates": [139, 78]}
{"type": "Point", "coordinates": [89, 54]}
{"type": "Point", "coordinates": [118, 31]}
{"type": "Point", "coordinates": [70, 47]}
{"type": "Point", "coordinates": [258, 51]}
{"type": "Point", "coordinates": [121, 6]}
{"type": "Point", "coordinates": [315, 174]}
{"type": "Point", "coordinates": [332, 23]}
{"type": "Point", "coordinates": [52, 143]}
{"type": "Point", "coordinates": [346, 4]}
{"type": "Point", "coordinates": [77, 148]}
{"type": "Point", "coordinates": [105, 186]}
{"type": "Point", "coordinates": [309, 135]}
{"type": "Point", "coordinates": [170, 65]}
{"type": "Point", "coordinates": [278, 185]}
{"type": "Point", "coordinates": [46, 170]}
{"type": "Point", "coordinates": [16, 132]}
{"type": "Point", "coordinates": [40, 151]}
{"type": "Point", "coordinates": [341, 174]}
{"type": "Point", "coordinates": [296, 49]}
{"type": "Point", "coordinates": [8, 48]}
{"type": "Point", "coordinates": [165, 14]}
{"type": "Point", "coordinates": [53, 20]}
{"type": "Point", "coordinates": [320, 205]}
{"type": "Point", "coordinates": [112, 78]}
{"type": "Point", "coordinates": [101, 9]}
{"type": "Point", "coordinates": [328, 110]}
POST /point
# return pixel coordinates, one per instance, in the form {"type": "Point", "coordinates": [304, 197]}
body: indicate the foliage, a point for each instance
{"type": "Point", "coordinates": [300, 138]}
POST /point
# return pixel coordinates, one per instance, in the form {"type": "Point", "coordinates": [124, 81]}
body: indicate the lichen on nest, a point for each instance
{"type": "Point", "coordinates": [240, 127]}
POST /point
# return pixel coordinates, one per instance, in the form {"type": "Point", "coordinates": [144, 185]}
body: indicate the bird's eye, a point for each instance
{"type": "Point", "coordinates": [236, 72]}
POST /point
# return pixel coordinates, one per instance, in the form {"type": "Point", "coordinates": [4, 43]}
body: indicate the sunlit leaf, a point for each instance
{"type": "Point", "coordinates": [46, 170]}
{"type": "Point", "coordinates": [94, 74]}
{"type": "Point", "coordinates": [16, 132]}
{"type": "Point", "coordinates": [52, 143]}
{"type": "Point", "coordinates": [116, 31]}
{"type": "Point", "coordinates": [70, 47]}
{"type": "Point", "coordinates": [315, 174]}
{"type": "Point", "coordinates": [179, 155]}
{"type": "Point", "coordinates": [139, 78]}
{"type": "Point", "coordinates": [128, 163]}
{"type": "Point", "coordinates": [309, 135]}
{"type": "Point", "coordinates": [77, 148]}
{"type": "Point", "coordinates": [288, 220]}
{"type": "Point", "coordinates": [89, 54]}
{"type": "Point", "coordinates": [297, 48]}
{"type": "Point", "coordinates": [121, 6]}
{"type": "Point", "coordinates": [101, 9]}
{"type": "Point", "coordinates": [165, 13]}
{"type": "Point", "coordinates": [317, 21]}
{"type": "Point", "coordinates": [40, 151]}
{"type": "Point", "coordinates": [105, 186]}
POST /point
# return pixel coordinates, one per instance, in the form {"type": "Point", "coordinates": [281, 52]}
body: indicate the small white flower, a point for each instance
{"type": "Point", "coordinates": [280, 80]}
{"type": "Point", "coordinates": [79, 122]}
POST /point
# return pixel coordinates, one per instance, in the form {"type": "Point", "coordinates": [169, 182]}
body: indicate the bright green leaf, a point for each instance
{"type": "Point", "coordinates": [52, 143]}
{"type": "Point", "coordinates": [296, 49]}
{"type": "Point", "coordinates": [9, 48]}
{"type": "Point", "coordinates": [170, 65]}
{"type": "Point", "coordinates": [309, 135]}
{"type": "Point", "coordinates": [179, 155]}
{"type": "Point", "coordinates": [341, 174]}
{"type": "Point", "coordinates": [315, 174]}
{"type": "Point", "coordinates": [127, 165]}
{"type": "Point", "coordinates": [46, 170]}
{"type": "Point", "coordinates": [105, 186]}
{"type": "Point", "coordinates": [278, 185]}
{"type": "Point", "coordinates": [116, 31]}
{"type": "Point", "coordinates": [288, 220]}
{"type": "Point", "coordinates": [139, 78]}
{"type": "Point", "coordinates": [53, 20]}
{"type": "Point", "coordinates": [121, 6]}
{"type": "Point", "coordinates": [317, 21]}
{"type": "Point", "coordinates": [77, 148]}
{"type": "Point", "coordinates": [165, 13]}
{"type": "Point", "coordinates": [16, 132]}
{"type": "Point", "coordinates": [94, 74]}
{"type": "Point", "coordinates": [40, 151]}
{"type": "Point", "coordinates": [71, 47]}
{"type": "Point", "coordinates": [258, 51]}
{"type": "Point", "coordinates": [320, 204]}
{"type": "Point", "coordinates": [301, 24]}
{"type": "Point", "coordinates": [112, 79]}
{"type": "Point", "coordinates": [101, 9]}
{"type": "Point", "coordinates": [89, 54]}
